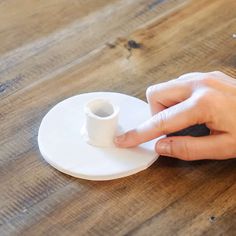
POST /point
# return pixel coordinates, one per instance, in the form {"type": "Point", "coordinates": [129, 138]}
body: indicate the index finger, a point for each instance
{"type": "Point", "coordinates": [170, 120]}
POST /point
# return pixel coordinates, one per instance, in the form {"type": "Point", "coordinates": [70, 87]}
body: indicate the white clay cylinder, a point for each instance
{"type": "Point", "coordinates": [101, 122]}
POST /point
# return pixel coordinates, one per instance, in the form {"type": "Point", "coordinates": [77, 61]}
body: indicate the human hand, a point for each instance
{"type": "Point", "coordinates": [194, 98]}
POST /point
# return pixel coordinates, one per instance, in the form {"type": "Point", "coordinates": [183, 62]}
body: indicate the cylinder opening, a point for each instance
{"type": "Point", "coordinates": [101, 108]}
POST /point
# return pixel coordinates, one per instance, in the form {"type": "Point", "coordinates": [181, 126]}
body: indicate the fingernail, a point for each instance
{"type": "Point", "coordinates": [163, 148]}
{"type": "Point", "coordinates": [119, 139]}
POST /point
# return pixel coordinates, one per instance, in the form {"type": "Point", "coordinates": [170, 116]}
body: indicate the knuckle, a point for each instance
{"type": "Point", "coordinates": [150, 92]}
{"type": "Point", "coordinates": [204, 97]}
{"type": "Point", "coordinates": [200, 101]}
{"type": "Point", "coordinates": [189, 76]}
{"type": "Point", "coordinates": [133, 138]}
{"type": "Point", "coordinates": [216, 73]}
{"type": "Point", "coordinates": [207, 98]}
{"type": "Point", "coordinates": [210, 79]}
{"type": "Point", "coordinates": [153, 91]}
{"type": "Point", "coordinates": [201, 109]}
{"type": "Point", "coordinates": [184, 77]}
{"type": "Point", "coordinates": [180, 149]}
{"type": "Point", "coordinates": [159, 122]}
{"type": "Point", "coordinates": [186, 151]}
{"type": "Point", "coordinates": [207, 80]}
{"type": "Point", "coordinates": [206, 103]}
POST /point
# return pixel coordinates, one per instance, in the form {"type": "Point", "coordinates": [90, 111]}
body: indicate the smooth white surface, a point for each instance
{"type": "Point", "coordinates": [101, 122]}
{"type": "Point", "coordinates": [62, 145]}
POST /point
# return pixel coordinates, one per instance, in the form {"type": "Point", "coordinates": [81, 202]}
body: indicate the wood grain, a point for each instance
{"type": "Point", "coordinates": [51, 50]}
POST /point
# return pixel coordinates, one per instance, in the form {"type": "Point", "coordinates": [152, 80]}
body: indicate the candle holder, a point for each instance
{"type": "Point", "coordinates": [101, 124]}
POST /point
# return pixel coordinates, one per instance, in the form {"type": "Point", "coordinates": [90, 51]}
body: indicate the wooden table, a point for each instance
{"type": "Point", "coordinates": [51, 50]}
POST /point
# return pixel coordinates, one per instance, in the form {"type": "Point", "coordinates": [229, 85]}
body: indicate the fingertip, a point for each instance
{"type": "Point", "coordinates": [120, 140]}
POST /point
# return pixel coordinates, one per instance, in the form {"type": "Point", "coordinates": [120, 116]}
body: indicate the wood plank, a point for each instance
{"type": "Point", "coordinates": [199, 212]}
{"type": "Point", "coordinates": [49, 55]}
{"type": "Point", "coordinates": [29, 20]}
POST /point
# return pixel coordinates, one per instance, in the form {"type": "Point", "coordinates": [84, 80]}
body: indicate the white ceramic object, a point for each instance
{"type": "Point", "coordinates": [77, 141]}
{"type": "Point", "coordinates": [101, 123]}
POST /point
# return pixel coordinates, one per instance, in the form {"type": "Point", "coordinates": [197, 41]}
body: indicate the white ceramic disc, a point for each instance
{"type": "Point", "coordinates": [62, 145]}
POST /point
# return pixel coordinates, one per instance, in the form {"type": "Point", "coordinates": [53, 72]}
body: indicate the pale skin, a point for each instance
{"type": "Point", "coordinates": [193, 98]}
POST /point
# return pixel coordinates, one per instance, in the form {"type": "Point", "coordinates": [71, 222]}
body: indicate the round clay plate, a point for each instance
{"type": "Point", "coordinates": [62, 145]}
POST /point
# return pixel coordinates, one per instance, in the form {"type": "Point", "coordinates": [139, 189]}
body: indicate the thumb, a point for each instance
{"type": "Point", "coordinates": [196, 148]}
